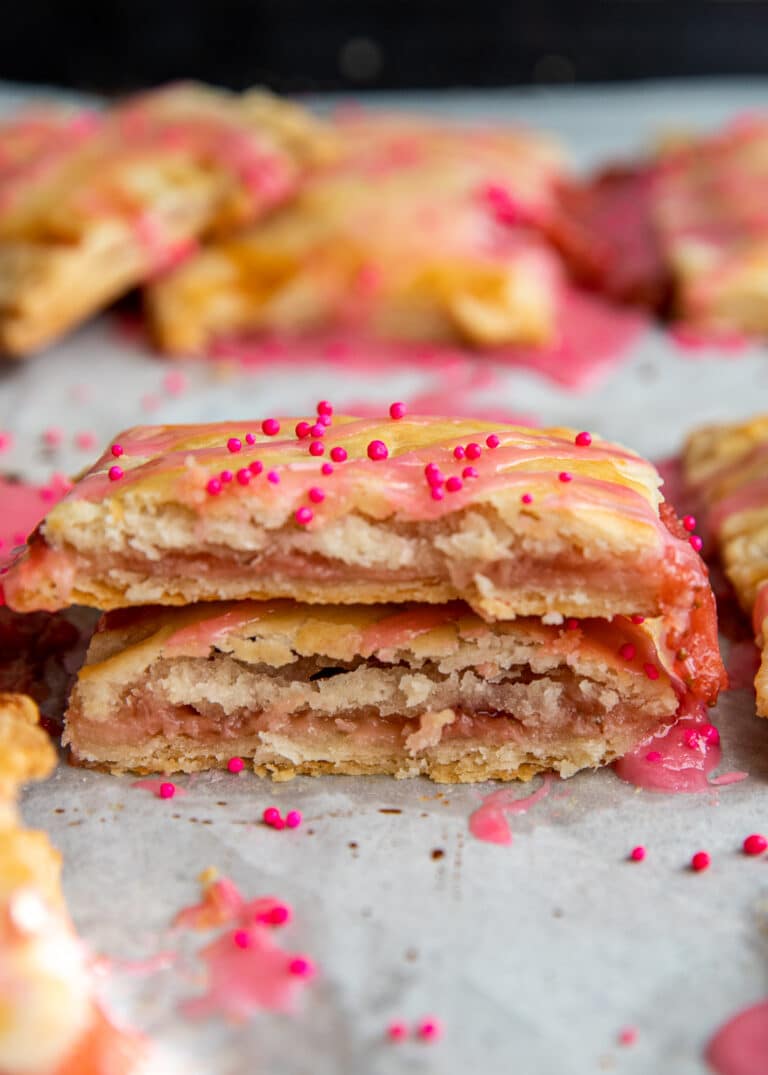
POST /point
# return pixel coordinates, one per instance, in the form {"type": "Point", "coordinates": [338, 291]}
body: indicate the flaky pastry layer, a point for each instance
{"type": "Point", "coordinates": [726, 467]}
{"type": "Point", "coordinates": [405, 690]}
{"type": "Point", "coordinates": [159, 173]}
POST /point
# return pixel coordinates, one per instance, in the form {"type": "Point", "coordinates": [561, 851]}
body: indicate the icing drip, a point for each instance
{"type": "Point", "coordinates": [489, 822]}
{"type": "Point", "coordinates": [740, 1047]}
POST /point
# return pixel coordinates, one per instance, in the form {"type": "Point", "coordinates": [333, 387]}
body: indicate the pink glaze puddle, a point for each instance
{"type": "Point", "coordinates": [489, 822]}
{"type": "Point", "coordinates": [742, 664]}
{"type": "Point", "coordinates": [693, 341]}
{"type": "Point", "coordinates": [155, 786]}
{"type": "Point", "coordinates": [741, 1046]}
{"type": "Point", "coordinates": [22, 506]}
{"type": "Point", "coordinates": [678, 761]}
{"type": "Point", "coordinates": [594, 336]}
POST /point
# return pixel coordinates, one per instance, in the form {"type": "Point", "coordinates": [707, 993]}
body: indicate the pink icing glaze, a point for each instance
{"type": "Point", "coordinates": [242, 979]}
{"type": "Point", "coordinates": [593, 337]}
{"type": "Point", "coordinates": [22, 506]}
{"type": "Point", "coordinates": [489, 822]}
{"type": "Point", "coordinates": [678, 760]}
{"type": "Point", "coordinates": [155, 785]}
{"type": "Point", "coordinates": [740, 1047]}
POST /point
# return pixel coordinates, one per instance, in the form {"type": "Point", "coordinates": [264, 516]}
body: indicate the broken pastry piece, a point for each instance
{"type": "Point", "coordinates": [726, 468]}
{"type": "Point", "coordinates": [403, 690]}
{"type": "Point", "coordinates": [515, 521]}
{"type": "Point", "coordinates": [161, 172]}
{"type": "Point", "coordinates": [51, 1022]}
{"type": "Point", "coordinates": [709, 211]}
{"type": "Point", "coordinates": [422, 231]}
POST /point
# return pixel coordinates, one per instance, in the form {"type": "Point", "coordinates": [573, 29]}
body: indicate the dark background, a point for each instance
{"type": "Point", "coordinates": [296, 45]}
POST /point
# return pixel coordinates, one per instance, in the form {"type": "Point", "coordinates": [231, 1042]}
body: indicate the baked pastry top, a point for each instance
{"type": "Point", "coordinates": [421, 230]}
{"type": "Point", "coordinates": [159, 173]}
{"type": "Point", "coordinates": [515, 521]}
{"type": "Point", "coordinates": [400, 689]}
{"type": "Point", "coordinates": [726, 467]}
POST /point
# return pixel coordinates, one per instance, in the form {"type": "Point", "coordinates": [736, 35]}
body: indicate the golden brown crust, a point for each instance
{"type": "Point", "coordinates": [26, 751]}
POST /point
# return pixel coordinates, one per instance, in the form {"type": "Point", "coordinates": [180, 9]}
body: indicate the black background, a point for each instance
{"type": "Point", "coordinates": [296, 45]}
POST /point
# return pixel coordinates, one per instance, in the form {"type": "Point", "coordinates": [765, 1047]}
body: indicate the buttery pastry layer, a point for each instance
{"type": "Point", "coordinates": [159, 173]}
{"type": "Point", "coordinates": [419, 231]}
{"type": "Point", "coordinates": [726, 467]}
{"type": "Point", "coordinates": [537, 525]}
{"type": "Point", "coordinates": [408, 690]}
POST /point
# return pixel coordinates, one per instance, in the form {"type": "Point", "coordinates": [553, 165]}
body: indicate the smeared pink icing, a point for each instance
{"type": "Point", "coordinates": [489, 822]}
{"type": "Point", "coordinates": [593, 337]}
{"type": "Point", "coordinates": [678, 760]}
{"type": "Point", "coordinates": [155, 787]}
{"type": "Point", "coordinates": [22, 506]}
{"type": "Point", "coordinates": [740, 1047]}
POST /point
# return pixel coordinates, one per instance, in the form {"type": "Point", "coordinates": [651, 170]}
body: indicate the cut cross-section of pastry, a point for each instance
{"type": "Point", "coordinates": [423, 231]}
{"type": "Point", "coordinates": [52, 1023]}
{"type": "Point", "coordinates": [404, 690]}
{"type": "Point", "coordinates": [515, 521]}
{"type": "Point", "coordinates": [726, 467]}
{"type": "Point", "coordinates": [159, 173]}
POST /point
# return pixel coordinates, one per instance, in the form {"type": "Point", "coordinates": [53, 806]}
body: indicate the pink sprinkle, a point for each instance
{"type": "Point", "coordinates": [302, 430]}
{"type": "Point", "coordinates": [317, 496]}
{"type": "Point", "coordinates": [273, 476]}
{"type": "Point", "coordinates": [304, 516]}
{"type": "Point", "coordinates": [338, 454]}
{"type": "Point", "coordinates": [637, 619]}
{"type": "Point", "coordinates": [469, 472]}
{"type": "Point", "coordinates": [628, 1036]}
{"type": "Point", "coordinates": [53, 436]}
{"type": "Point", "coordinates": [271, 815]}
{"type": "Point", "coordinates": [696, 542]}
{"type": "Point", "coordinates": [689, 522]}
{"type": "Point", "coordinates": [234, 444]}
{"type": "Point", "coordinates": [325, 420]}
{"type": "Point", "coordinates": [651, 671]}
{"type": "Point", "coordinates": [700, 861]}
{"type": "Point", "coordinates": [564, 476]}
{"type": "Point", "coordinates": [571, 624]}
{"type": "Point", "coordinates": [115, 473]}
{"type": "Point", "coordinates": [755, 844]}
{"type": "Point", "coordinates": [317, 430]}
{"type": "Point", "coordinates": [47, 494]}
{"type": "Point", "coordinates": [85, 440]}
{"type": "Point", "coordinates": [711, 735]}
{"type": "Point", "coordinates": [316, 447]}
{"type": "Point", "coordinates": [235, 765]}
{"type": "Point", "coordinates": [458, 452]}
{"type": "Point", "coordinates": [397, 410]}
{"type": "Point", "coordinates": [242, 938]}
{"type": "Point", "coordinates": [174, 383]}
{"type": "Point", "coordinates": [429, 1029]}
{"type": "Point", "coordinates": [6, 440]}
{"type": "Point", "coordinates": [583, 440]}
{"type": "Point", "coordinates": [249, 438]}
{"type": "Point", "coordinates": [435, 477]}
{"type": "Point", "coordinates": [167, 791]}
{"type": "Point", "coordinates": [214, 486]}
{"type": "Point", "coordinates": [244, 475]}
{"type": "Point", "coordinates": [653, 756]}
{"type": "Point", "coordinates": [324, 407]}
{"type": "Point", "coordinates": [627, 651]}
{"type": "Point", "coordinates": [277, 916]}
{"type": "Point", "coordinates": [377, 450]}
{"type": "Point", "coordinates": [293, 819]}
{"type": "Point", "coordinates": [637, 854]}
{"type": "Point", "coordinates": [326, 468]}
{"type": "Point", "coordinates": [117, 450]}
{"type": "Point", "coordinates": [526, 498]}
{"type": "Point", "coordinates": [454, 484]}
{"type": "Point", "coordinates": [226, 476]}
{"type": "Point", "coordinates": [437, 492]}
{"type": "Point", "coordinates": [270, 427]}
{"type": "Point", "coordinates": [492, 441]}
{"type": "Point", "coordinates": [256, 466]}
{"type": "Point", "coordinates": [279, 824]}
{"type": "Point", "coordinates": [431, 468]}
{"type": "Point", "coordinates": [474, 451]}
{"type": "Point", "coordinates": [397, 1031]}
{"type": "Point", "coordinates": [301, 967]}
